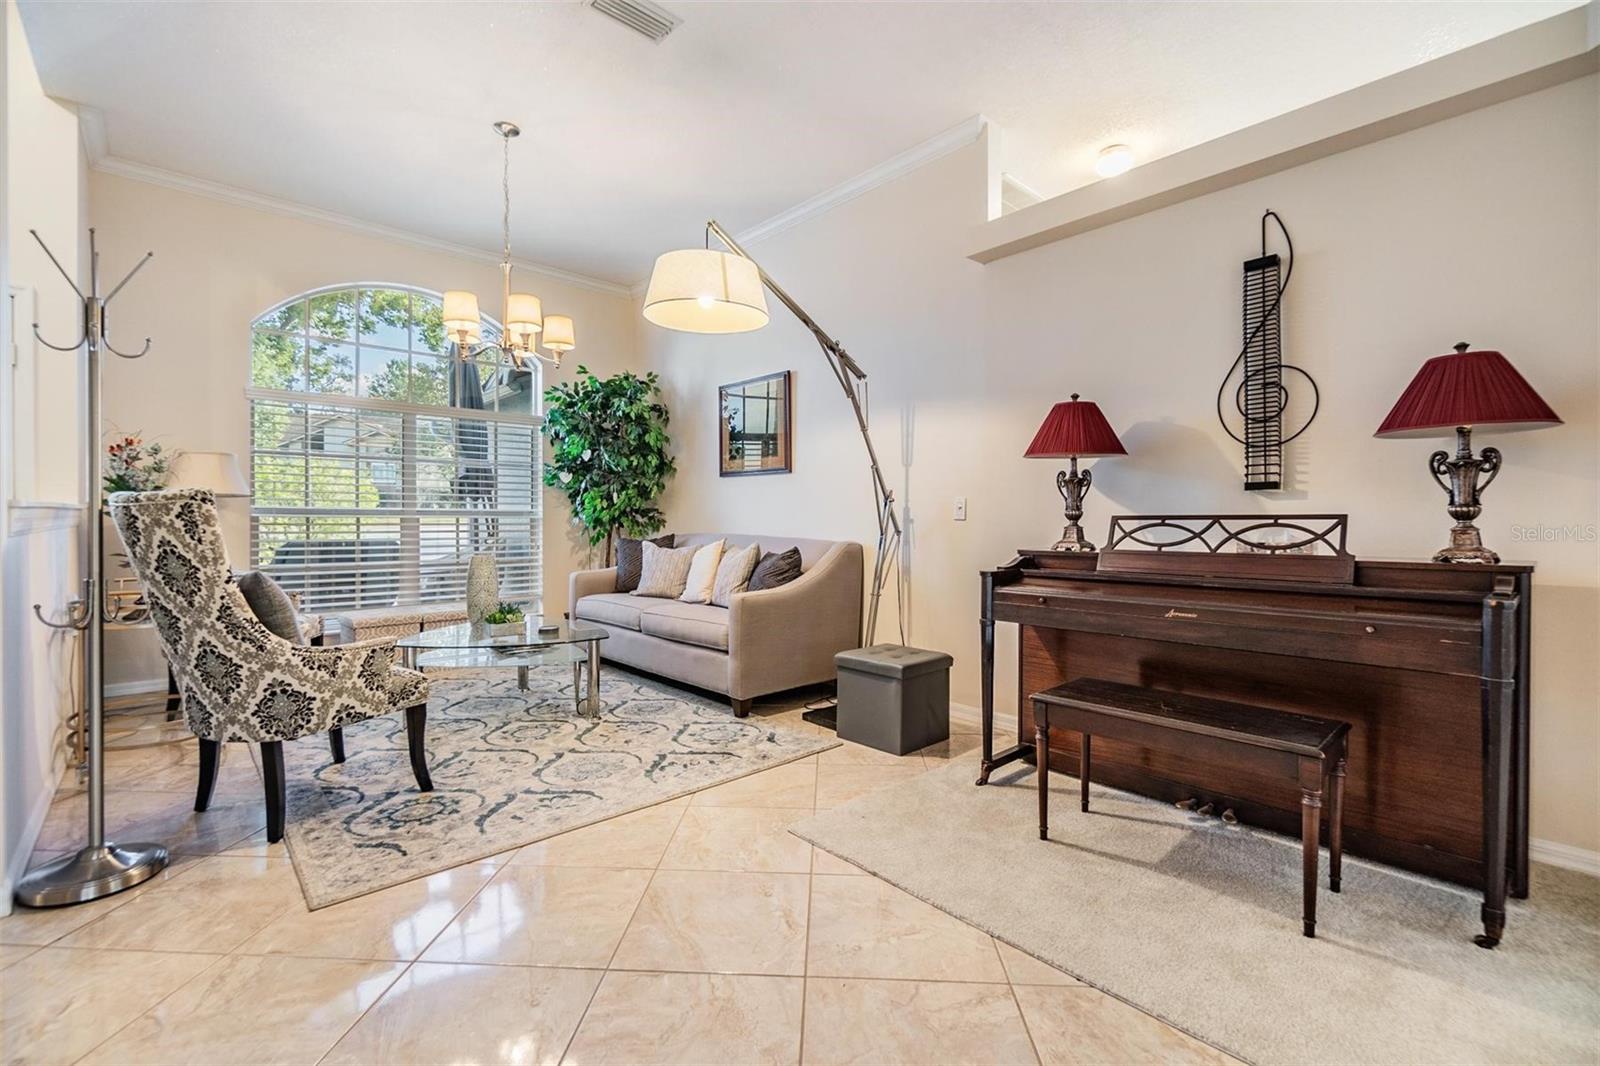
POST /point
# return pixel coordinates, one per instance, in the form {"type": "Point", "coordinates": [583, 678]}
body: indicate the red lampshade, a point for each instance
{"type": "Point", "coordinates": [1074, 428]}
{"type": "Point", "coordinates": [1466, 389]}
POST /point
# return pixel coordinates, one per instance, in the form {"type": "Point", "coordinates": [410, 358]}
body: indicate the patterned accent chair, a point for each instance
{"type": "Point", "coordinates": [239, 680]}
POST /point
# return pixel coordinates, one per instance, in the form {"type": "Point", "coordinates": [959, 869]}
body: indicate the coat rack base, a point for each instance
{"type": "Point", "coordinates": [90, 874]}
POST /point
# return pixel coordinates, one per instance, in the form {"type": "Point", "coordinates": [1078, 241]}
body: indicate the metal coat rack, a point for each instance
{"type": "Point", "coordinates": [100, 867]}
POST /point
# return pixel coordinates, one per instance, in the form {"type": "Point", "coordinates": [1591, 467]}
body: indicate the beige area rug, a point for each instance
{"type": "Point", "coordinates": [1199, 924]}
{"type": "Point", "coordinates": [509, 768]}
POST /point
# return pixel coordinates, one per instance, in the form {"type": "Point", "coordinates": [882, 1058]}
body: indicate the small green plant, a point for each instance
{"type": "Point", "coordinates": [609, 453]}
{"type": "Point", "coordinates": [505, 614]}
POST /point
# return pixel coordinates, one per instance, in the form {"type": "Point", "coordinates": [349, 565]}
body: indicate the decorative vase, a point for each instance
{"type": "Point", "coordinates": [483, 587]}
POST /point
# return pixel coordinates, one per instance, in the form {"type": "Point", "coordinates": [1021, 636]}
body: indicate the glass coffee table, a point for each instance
{"type": "Point", "coordinates": [470, 647]}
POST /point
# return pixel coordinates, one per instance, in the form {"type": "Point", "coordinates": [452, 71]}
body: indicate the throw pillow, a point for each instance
{"type": "Point", "coordinates": [702, 573]}
{"type": "Point", "coordinates": [733, 574]}
{"type": "Point", "coordinates": [665, 571]}
{"type": "Point", "coordinates": [775, 569]}
{"type": "Point", "coordinates": [630, 558]}
{"type": "Point", "coordinates": [271, 605]}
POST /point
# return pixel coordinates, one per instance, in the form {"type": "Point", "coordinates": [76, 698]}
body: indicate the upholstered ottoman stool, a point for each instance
{"type": "Point", "coordinates": [894, 698]}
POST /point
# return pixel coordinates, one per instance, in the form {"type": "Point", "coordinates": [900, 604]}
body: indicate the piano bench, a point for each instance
{"type": "Point", "coordinates": [1308, 750]}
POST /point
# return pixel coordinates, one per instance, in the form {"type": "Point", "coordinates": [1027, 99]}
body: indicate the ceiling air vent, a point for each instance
{"type": "Point", "coordinates": [652, 20]}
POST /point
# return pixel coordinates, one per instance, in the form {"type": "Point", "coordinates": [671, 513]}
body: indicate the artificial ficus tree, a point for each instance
{"type": "Point", "coordinates": [608, 453]}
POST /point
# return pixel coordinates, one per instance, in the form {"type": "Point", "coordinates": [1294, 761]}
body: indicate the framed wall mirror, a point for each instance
{"type": "Point", "coordinates": [755, 425]}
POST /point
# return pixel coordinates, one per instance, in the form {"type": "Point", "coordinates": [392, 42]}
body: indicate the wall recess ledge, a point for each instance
{"type": "Point", "coordinates": [1536, 57]}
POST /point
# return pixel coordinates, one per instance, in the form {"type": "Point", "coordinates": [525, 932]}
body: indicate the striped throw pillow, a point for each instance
{"type": "Point", "coordinates": [665, 571]}
{"type": "Point", "coordinates": [733, 574]}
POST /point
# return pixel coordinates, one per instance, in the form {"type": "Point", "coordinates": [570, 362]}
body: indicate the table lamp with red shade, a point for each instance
{"type": "Point", "coordinates": [1450, 395]}
{"type": "Point", "coordinates": [1074, 430]}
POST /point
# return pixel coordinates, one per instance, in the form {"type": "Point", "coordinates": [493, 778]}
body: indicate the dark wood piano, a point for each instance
{"type": "Point", "coordinates": [1428, 662]}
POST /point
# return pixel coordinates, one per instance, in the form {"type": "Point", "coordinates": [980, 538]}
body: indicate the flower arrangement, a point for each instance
{"type": "Point", "coordinates": [133, 466]}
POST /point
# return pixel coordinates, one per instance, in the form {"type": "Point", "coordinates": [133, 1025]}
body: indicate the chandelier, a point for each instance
{"type": "Point", "coordinates": [524, 325]}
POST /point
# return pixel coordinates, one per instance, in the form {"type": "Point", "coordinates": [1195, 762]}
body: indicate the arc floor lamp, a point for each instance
{"type": "Point", "coordinates": [703, 290]}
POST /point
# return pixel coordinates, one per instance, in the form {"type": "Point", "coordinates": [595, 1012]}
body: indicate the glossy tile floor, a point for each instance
{"type": "Point", "coordinates": [697, 931]}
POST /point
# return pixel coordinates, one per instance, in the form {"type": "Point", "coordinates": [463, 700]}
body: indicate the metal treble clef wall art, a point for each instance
{"type": "Point", "coordinates": [1261, 397]}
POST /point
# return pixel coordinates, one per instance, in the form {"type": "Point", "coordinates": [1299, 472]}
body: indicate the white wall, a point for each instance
{"type": "Point", "coordinates": [45, 187]}
{"type": "Point", "coordinates": [40, 187]}
{"type": "Point", "coordinates": [217, 266]}
{"type": "Point", "coordinates": [1481, 228]}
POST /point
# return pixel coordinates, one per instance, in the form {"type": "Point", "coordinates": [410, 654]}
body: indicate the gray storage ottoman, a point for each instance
{"type": "Point", "coordinates": [894, 698]}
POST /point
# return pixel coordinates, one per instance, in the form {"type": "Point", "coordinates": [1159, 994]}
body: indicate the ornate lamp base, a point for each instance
{"type": "Point", "coordinates": [90, 874]}
{"type": "Point", "coordinates": [1072, 486]}
{"type": "Point", "coordinates": [1463, 477]}
{"type": "Point", "coordinates": [1072, 540]}
{"type": "Point", "coordinates": [1466, 546]}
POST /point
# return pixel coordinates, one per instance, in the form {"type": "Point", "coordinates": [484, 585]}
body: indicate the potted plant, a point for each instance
{"type": "Point", "coordinates": [506, 620]}
{"type": "Point", "coordinates": [609, 453]}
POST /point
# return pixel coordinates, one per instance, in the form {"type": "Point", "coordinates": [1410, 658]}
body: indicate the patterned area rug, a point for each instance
{"type": "Point", "coordinates": [509, 768]}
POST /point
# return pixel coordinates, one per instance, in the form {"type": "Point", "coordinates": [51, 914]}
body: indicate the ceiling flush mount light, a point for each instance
{"type": "Point", "coordinates": [521, 314]}
{"type": "Point", "coordinates": [701, 290]}
{"type": "Point", "coordinates": [1114, 159]}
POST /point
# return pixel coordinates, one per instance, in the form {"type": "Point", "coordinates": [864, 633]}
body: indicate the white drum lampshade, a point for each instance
{"type": "Point", "coordinates": [217, 471]}
{"type": "Point", "coordinates": [460, 314]}
{"type": "Point", "coordinates": [524, 315]}
{"type": "Point", "coordinates": [700, 290]}
{"type": "Point", "coordinates": [559, 335]}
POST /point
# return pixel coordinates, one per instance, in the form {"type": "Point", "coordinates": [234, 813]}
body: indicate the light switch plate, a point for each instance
{"type": "Point", "coordinates": [959, 512]}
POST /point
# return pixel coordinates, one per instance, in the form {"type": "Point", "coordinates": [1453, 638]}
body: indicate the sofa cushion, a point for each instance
{"type": "Point", "coordinates": [686, 623]}
{"type": "Point", "coordinates": [665, 572]}
{"type": "Point", "coordinates": [612, 608]}
{"type": "Point", "coordinates": [733, 573]}
{"type": "Point", "coordinates": [775, 570]}
{"type": "Point", "coordinates": [630, 560]}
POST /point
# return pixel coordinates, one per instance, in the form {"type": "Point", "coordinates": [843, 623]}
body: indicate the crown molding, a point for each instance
{"type": "Point", "coordinates": [93, 133]}
{"type": "Point", "coordinates": [936, 147]}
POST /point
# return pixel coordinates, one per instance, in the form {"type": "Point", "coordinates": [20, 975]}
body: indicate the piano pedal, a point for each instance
{"type": "Point", "coordinates": [1229, 817]}
{"type": "Point", "coordinates": [1207, 809]}
{"type": "Point", "coordinates": [1186, 804]}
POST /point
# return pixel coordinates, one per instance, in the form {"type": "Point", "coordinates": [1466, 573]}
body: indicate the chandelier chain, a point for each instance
{"type": "Point", "coordinates": [505, 190]}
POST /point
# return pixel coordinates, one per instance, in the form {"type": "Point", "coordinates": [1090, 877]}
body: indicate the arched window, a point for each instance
{"type": "Point", "coordinates": [372, 487]}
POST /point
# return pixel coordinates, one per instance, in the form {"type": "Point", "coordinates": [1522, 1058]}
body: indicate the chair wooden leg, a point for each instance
{"type": "Point", "coordinates": [416, 741]}
{"type": "Point", "coordinates": [741, 708]}
{"type": "Point", "coordinates": [210, 756]}
{"type": "Point", "coordinates": [277, 797]}
{"type": "Point", "coordinates": [336, 743]}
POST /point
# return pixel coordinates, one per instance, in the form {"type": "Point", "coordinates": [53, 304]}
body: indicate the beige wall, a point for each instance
{"type": "Point", "coordinates": [45, 187]}
{"type": "Point", "coordinates": [218, 265]}
{"type": "Point", "coordinates": [1480, 228]}
{"type": "Point", "coordinates": [40, 449]}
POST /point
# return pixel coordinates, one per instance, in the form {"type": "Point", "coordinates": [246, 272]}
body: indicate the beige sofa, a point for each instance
{"type": "Point", "coordinates": [766, 641]}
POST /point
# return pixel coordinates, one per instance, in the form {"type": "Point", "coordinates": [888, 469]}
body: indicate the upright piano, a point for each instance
{"type": "Point", "coordinates": [1428, 662]}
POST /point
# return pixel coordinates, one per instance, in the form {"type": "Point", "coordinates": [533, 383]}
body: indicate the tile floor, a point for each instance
{"type": "Point", "coordinates": [696, 931]}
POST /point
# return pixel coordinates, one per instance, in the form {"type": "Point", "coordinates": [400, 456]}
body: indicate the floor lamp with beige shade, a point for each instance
{"type": "Point", "coordinates": [702, 290]}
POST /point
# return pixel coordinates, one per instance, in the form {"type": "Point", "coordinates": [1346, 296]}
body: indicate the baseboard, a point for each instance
{"type": "Point", "coordinates": [970, 717]}
{"type": "Point", "coordinates": [1565, 856]}
{"type": "Point", "coordinates": [18, 864]}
